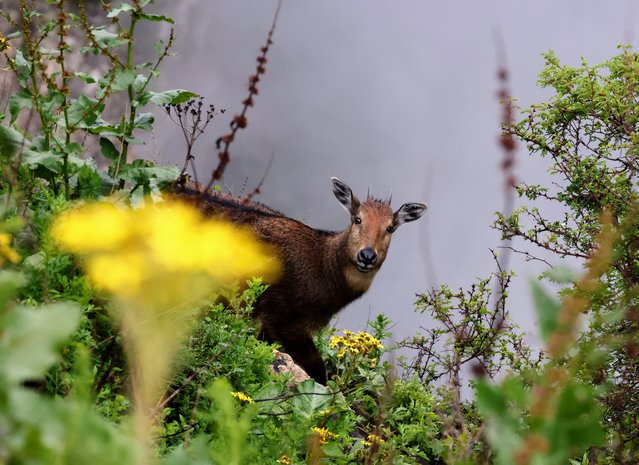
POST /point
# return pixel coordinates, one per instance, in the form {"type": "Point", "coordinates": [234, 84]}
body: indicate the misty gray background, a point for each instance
{"type": "Point", "coordinates": [396, 94]}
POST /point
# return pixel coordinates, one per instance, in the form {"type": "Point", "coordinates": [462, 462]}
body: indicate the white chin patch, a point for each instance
{"type": "Point", "coordinates": [364, 268]}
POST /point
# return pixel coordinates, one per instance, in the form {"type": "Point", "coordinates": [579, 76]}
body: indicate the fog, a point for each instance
{"type": "Point", "coordinates": [397, 95]}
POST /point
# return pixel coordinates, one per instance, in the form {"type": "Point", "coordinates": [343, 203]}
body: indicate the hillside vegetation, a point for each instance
{"type": "Point", "coordinates": [114, 347]}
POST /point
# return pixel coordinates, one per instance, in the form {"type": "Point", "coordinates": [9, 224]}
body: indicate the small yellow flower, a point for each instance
{"type": "Point", "coordinates": [372, 439]}
{"type": "Point", "coordinates": [324, 434]}
{"type": "Point", "coordinates": [284, 460]}
{"type": "Point", "coordinates": [242, 397]}
{"type": "Point", "coordinates": [4, 43]}
{"type": "Point", "coordinates": [6, 251]}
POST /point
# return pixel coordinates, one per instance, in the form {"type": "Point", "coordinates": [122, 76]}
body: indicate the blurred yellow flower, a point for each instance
{"type": "Point", "coordinates": [127, 250]}
{"type": "Point", "coordinates": [94, 227]}
{"type": "Point", "coordinates": [284, 460]}
{"type": "Point", "coordinates": [6, 251]}
{"type": "Point", "coordinates": [119, 272]}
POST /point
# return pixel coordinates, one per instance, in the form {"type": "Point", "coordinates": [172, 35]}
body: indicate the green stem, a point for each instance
{"type": "Point", "coordinates": [129, 124]}
{"type": "Point", "coordinates": [65, 111]}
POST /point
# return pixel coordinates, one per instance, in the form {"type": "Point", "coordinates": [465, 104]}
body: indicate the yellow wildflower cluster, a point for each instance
{"type": "Point", "coordinates": [355, 343]}
{"type": "Point", "coordinates": [284, 460]}
{"type": "Point", "coordinates": [324, 434]}
{"type": "Point", "coordinates": [242, 397]}
{"type": "Point", "coordinates": [6, 251]}
{"type": "Point", "coordinates": [372, 439]}
{"type": "Point", "coordinates": [128, 249]}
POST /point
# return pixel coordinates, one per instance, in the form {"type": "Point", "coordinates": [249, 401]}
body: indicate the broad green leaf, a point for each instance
{"type": "Point", "coordinates": [106, 39]}
{"type": "Point", "coordinates": [84, 111]}
{"type": "Point", "coordinates": [73, 148]}
{"type": "Point", "coordinates": [18, 101]}
{"type": "Point", "coordinates": [104, 128]}
{"type": "Point", "coordinates": [491, 400]}
{"type": "Point", "coordinates": [150, 17]}
{"type": "Point", "coordinates": [123, 79]}
{"type": "Point", "coordinates": [11, 142]}
{"type": "Point", "coordinates": [33, 337]}
{"type": "Point", "coordinates": [144, 121]}
{"type": "Point", "coordinates": [48, 161]}
{"type": "Point", "coordinates": [108, 150]}
{"type": "Point", "coordinates": [21, 62]}
{"type": "Point", "coordinates": [92, 183]}
{"type": "Point", "coordinates": [85, 77]}
{"type": "Point", "coordinates": [146, 175]}
{"type": "Point", "coordinates": [140, 81]}
{"type": "Point", "coordinates": [313, 398]}
{"type": "Point", "coordinates": [173, 97]}
{"type": "Point", "coordinates": [547, 309]}
{"type": "Point", "coordinates": [502, 425]}
{"type": "Point", "coordinates": [113, 12]}
{"type": "Point", "coordinates": [577, 421]}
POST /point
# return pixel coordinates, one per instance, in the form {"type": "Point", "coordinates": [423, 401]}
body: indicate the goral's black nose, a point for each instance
{"type": "Point", "coordinates": [367, 256]}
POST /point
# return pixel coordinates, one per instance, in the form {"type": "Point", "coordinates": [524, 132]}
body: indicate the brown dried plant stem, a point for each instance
{"type": "Point", "coordinates": [240, 121]}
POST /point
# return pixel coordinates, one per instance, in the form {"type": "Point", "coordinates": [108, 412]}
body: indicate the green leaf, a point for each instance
{"type": "Point", "coordinates": [314, 399]}
{"type": "Point", "coordinates": [33, 337]}
{"type": "Point", "coordinates": [105, 39]}
{"type": "Point", "coordinates": [143, 173]}
{"type": "Point", "coordinates": [144, 121]}
{"type": "Point", "coordinates": [18, 101]}
{"type": "Point", "coordinates": [139, 83]}
{"type": "Point", "coordinates": [576, 424]}
{"type": "Point", "coordinates": [173, 97]}
{"type": "Point", "coordinates": [123, 79]}
{"type": "Point", "coordinates": [92, 183]}
{"type": "Point", "coordinates": [113, 12]}
{"type": "Point", "coordinates": [84, 111]}
{"type": "Point", "coordinates": [491, 400]}
{"type": "Point", "coordinates": [50, 162]}
{"type": "Point", "coordinates": [108, 150]}
{"type": "Point", "coordinates": [11, 142]}
{"type": "Point", "coordinates": [106, 129]}
{"type": "Point", "coordinates": [150, 17]}
{"type": "Point", "coordinates": [73, 148]}
{"type": "Point", "coordinates": [502, 425]}
{"type": "Point", "coordinates": [547, 309]}
{"type": "Point", "coordinates": [85, 77]}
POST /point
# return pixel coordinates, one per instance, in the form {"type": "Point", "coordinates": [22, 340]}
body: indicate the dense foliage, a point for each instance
{"type": "Point", "coordinates": [110, 355]}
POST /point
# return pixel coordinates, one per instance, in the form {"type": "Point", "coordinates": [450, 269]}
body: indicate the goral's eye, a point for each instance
{"type": "Point", "coordinates": [357, 220]}
{"type": "Point", "coordinates": [390, 229]}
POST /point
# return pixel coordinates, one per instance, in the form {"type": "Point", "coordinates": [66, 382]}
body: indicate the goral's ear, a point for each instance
{"type": "Point", "coordinates": [345, 196]}
{"type": "Point", "coordinates": [409, 212]}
